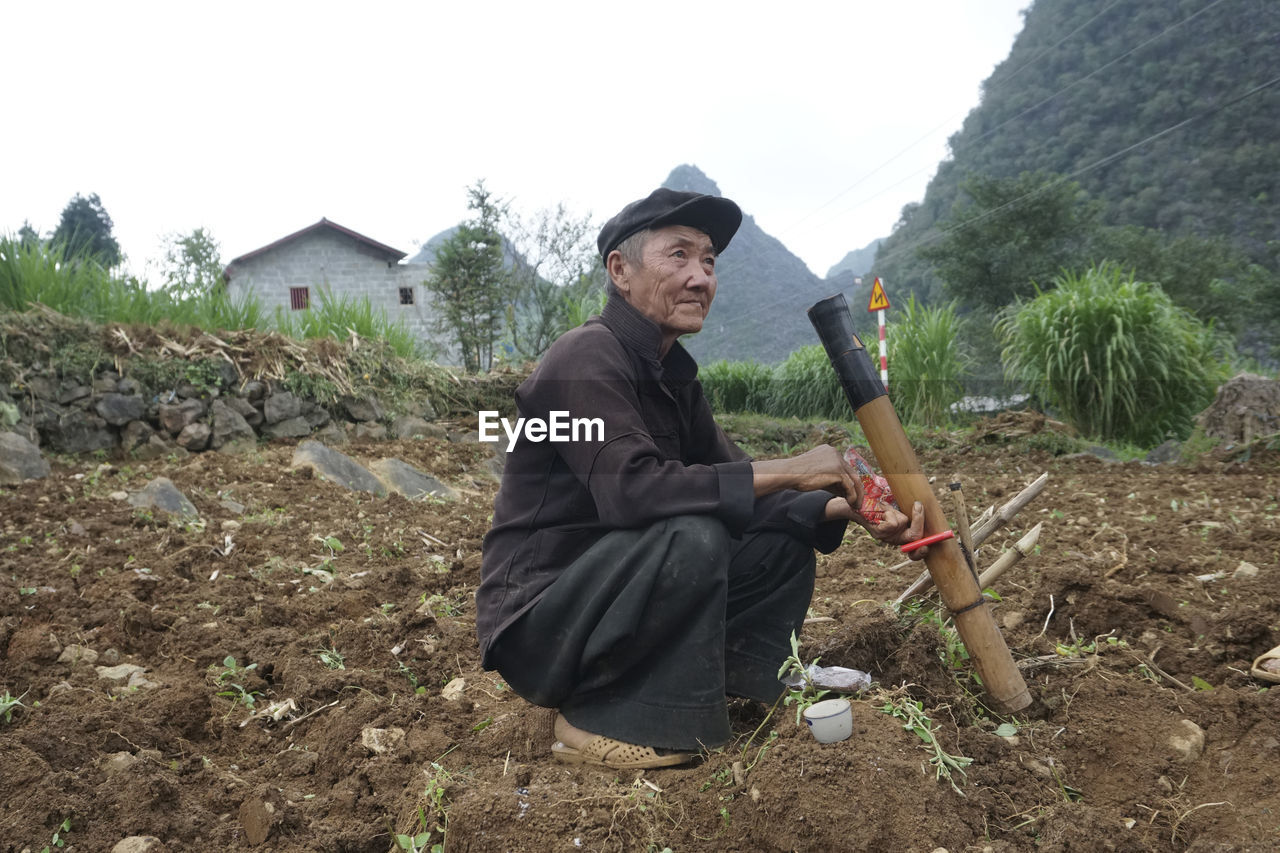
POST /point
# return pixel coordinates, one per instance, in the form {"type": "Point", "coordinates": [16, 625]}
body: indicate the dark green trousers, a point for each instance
{"type": "Point", "coordinates": [644, 635]}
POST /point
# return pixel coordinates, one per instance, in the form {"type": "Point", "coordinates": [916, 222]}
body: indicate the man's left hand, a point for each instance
{"type": "Point", "coordinates": [895, 529]}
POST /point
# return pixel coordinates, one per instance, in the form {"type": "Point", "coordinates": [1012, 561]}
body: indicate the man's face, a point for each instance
{"type": "Point", "coordinates": [676, 282]}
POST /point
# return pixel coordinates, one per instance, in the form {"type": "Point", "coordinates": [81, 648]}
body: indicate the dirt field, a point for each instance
{"type": "Point", "coordinates": [359, 611]}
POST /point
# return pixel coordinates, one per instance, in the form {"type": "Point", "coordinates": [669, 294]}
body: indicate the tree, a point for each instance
{"type": "Point", "coordinates": [85, 231]}
{"type": "Point", "coordinates": [192, 263]}
{"type": "Point", "coordinates": [1012, 233]}
{"type": "Point", "coordinates": [469, 281]}
{"type": "Point", "coordinates": [28, 236]}
{"type": "Point", "coordinates": [552, 272]}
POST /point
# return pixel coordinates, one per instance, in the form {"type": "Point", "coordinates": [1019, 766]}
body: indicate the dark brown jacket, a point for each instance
{"type": "Point", "coordinates": [662, 454]}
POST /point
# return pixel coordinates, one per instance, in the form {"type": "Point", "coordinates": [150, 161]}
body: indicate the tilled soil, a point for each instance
{"type": "Point", "coordinates": [359, 611]}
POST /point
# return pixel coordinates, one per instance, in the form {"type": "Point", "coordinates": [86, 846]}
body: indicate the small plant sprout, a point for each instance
{"type": "Point", "coordinates": [230, 677]}
{"type": "Point", "coordinates": [803, 694]}
{"type": "Point", "coordinates": [331, 657]}
{"type": "Point", "coordinates": [8, 703]}
{"type": "Point", "coordinates": [911, 712]}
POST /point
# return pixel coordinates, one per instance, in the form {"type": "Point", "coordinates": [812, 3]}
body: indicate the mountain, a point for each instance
{"type": "Point", "coordinates": [858, 262]}
{"type": "Point", "coordinates": [764, 291]}
{"type": "Point", "coordinates": [1167, 113]}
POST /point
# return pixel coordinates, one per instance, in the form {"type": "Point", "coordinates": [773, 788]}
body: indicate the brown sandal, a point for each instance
{"type": "Point", "coordinates": [618, 755]}
{"type": "Point", "coordinates": [1267, 666]}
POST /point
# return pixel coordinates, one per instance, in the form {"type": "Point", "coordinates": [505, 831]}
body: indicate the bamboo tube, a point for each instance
{"type": "Point", "coordinates": [956, 584]}
{"type": "Point", "coordinates": [962, 522]}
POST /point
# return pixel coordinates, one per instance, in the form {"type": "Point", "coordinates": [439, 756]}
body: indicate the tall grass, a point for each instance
{"type": "Point", "coordinates": [736, 386]}
{"type": "Point", "coordinates": [926, 367]}
{"type": "Point", "coordinates": [331, 316]}
{"type": "Point", "coordinates": [1114, 356]}
{"type": "Point", "coordinates": [805, 386]}
{"type": "Point", "coordinates": [33, 274]}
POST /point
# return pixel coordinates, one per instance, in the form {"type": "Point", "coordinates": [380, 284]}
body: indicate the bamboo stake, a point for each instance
{"type": "Point", "coordinates": [1010, 558]}
{"type": "Point", "coordinates": [962, 522]}
{"type": "Point", "coordinates": [924, 582]}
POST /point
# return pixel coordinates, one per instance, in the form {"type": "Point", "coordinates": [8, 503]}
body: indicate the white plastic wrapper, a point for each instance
{"type": "Point", "coordinates": [837, 678]}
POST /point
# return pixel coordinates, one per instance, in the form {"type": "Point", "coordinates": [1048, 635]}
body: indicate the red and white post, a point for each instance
{"type": "Point", "coordinates": [879, 303]}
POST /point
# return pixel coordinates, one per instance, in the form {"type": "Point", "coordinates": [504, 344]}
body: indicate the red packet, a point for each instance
{"type": "Point", "coordinates": [875, 489]}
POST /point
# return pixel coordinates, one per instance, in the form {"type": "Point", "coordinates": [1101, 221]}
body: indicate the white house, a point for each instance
{"type": "Point", "coordinates": [291, 273]}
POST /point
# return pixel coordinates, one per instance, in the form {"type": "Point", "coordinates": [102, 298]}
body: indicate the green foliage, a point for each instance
{"type": "Point", "coordinates": [470, 283]}
{"type": "Point", "coordinates": [555, 256]}
{"type": "Point", "coordinates": [806, 694]}
{"type": "Point", "coordinates": [914, 719]}
{"type": "Point", "coordinates": [84, 231]}
{"type": "Point", "coordinates": [1115, 357]}
{"type": "Point", "coordinates": [1011, 233]}
{"type": "Point", "coordinates": [330, 316]}
{"type": "Point", "coordinates": [805, 386]}
{"type": "Point", "coordinates": [926, 366]}
{"type": "Point", "coordinates": [192, 263]}
{"type": "Point", "coordinates": [8, 703]}
{"type": "Point", "coordinates": [736, 386]}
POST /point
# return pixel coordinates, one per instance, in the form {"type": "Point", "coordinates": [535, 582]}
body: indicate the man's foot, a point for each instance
{"type": "Point", "coordinates": [576, 746]}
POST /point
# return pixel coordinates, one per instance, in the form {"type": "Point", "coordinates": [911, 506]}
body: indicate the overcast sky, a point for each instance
{"type": "Point", "coordinates": [256, 119]}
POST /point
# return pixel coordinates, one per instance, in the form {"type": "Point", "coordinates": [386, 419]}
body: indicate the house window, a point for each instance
{"type": "Point", "coordinates": [406, 296]}
{"type": "Point", "coordinates": [299, 298]}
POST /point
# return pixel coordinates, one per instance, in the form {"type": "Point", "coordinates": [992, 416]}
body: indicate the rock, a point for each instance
{"type": "Point", "coordinates": [1245, 570]}
{"type": "Point", "coordinates": [73, 393]}
{"type": "Point", "coordinates": [281, 406]}
{"type": "Point", "coordinates": [163, 495]}
{"type": "Point", "coordinates": [106, 383]}
{"type": "Point", "coordinates": [194, 437]}
{"type": "Point", "coordinates": [20, 460]}
{"type": "Point", "coordinates": [244, 409]}
{"type": "Point", "coordinates": [1165, 453]}
{"type": "Point", "coordinates": [428, 411]}
{"type": "Point", "coordinates": [74, 654]}
{"type": "Point", "coordinates": [1187, 741]}
{"type": "Point", "coordinates": [362, 408]}
{"type": "Point", "coordinates": [140, 844]}
{"type": "Point", "coordinates": [121, 673]}
{"type": "Point", "coordinates": [119, 409]}
{"type": "Point", "coordinates": [408, 426]}
{"type": "Point", "coordinates": [314, 415]}
{"type": "Point", "coordinates": [1013, 619]}
{"type": "Point", "coordinates": [118, 762]}
{"type": "Point", "coordinates": [375, 431]}
{"type": "Point", "coordinates": [119, 495]}
{"type": "Point", "coordinates": [135, 434]}
{"type": "Point", "coordinates": [230, 427]}
{"type": "Point", "coordinates": [255, 391]}
{"type": "Point", "coordinates": [157, 448]}
{"type": "Point", "coordinates": [332, 434]}
{"type": "Point", "coordinates": [41, 387]}
{"type": "Point", "coordinates": [454, 690]}
{"type": "Point", "coordinates": [175, 418]}
{"type": "Point", "coordinates": [335, 467]}
{"type": "Point", "coordinates": [75, 431]}
{"type": "Point", "coordinates": [296, 427]}
{"type": "Point", "coordinates": [379, 741]}
{"type": "Point", "coordinates": [129, 386]}
{"type": "Point", "coordinates": [404, 479]}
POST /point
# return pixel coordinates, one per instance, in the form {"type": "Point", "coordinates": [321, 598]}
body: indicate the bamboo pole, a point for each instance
{"type": "Point", "coordinates": [924, 582]}
{"type": "Point", "coordinates": [955, 581]}
{"type": "Point", "coordinates": [962, 522]}
{"type": "Point", "coordinates": [1010, 558]}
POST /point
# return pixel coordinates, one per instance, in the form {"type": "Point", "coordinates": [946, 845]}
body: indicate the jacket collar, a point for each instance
{"type": "Point", "coordinates": [643, 337]}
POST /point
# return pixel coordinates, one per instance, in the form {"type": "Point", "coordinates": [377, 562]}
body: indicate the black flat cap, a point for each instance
{"type": "Point", "coordinates": [714, 216]}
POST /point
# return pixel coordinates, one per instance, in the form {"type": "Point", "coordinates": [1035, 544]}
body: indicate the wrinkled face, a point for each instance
{"type": "Point", "coordinates": [674, 284]}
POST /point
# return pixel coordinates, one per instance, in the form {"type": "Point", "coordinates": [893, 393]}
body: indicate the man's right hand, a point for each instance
{"type": "Point", "coordinates": [823, 467]}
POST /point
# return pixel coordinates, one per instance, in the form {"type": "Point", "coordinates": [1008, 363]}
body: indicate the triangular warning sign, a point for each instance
{"type": "Point", "coordinates": [878, 302]}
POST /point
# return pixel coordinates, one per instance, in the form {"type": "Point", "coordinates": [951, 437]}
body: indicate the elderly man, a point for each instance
{"type": "Point", "coordinates": [633, 579]}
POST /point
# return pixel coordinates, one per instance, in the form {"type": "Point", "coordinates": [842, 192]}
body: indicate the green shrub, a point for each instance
{"type": "Point", "coordinates": [926, 367]}
{"type": "Point", "coordinates": [1115, 357]}
{"type": "Point", "coordinates": [805, 386]}
{"type": "Point", "coordinates": [736, 386]}
{"type": "Point", "coordinates": [337, 317]}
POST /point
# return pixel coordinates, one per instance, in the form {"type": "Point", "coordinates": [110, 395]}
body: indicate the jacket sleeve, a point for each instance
{"type": "Point", "coordinates": [631, 481]}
